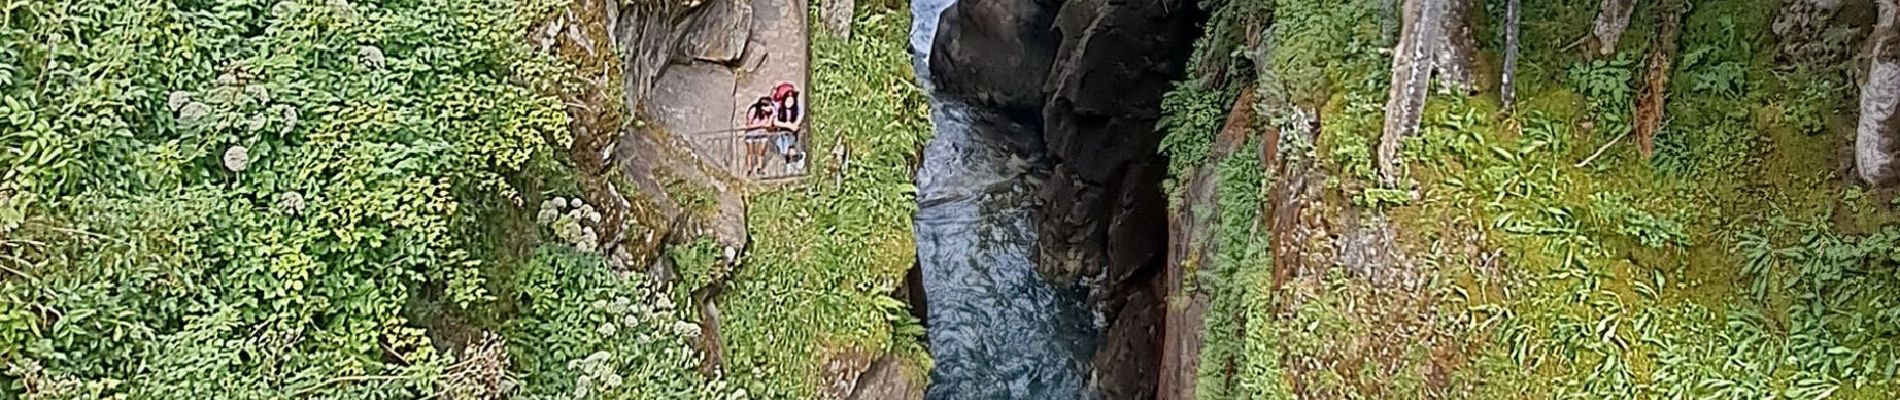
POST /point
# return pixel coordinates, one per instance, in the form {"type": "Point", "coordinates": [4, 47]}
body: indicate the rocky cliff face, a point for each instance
{"type": "Point", "coordinates": [1090, 74]}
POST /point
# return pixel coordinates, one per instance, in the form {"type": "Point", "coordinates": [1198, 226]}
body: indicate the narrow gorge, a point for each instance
{"type": "Point", "coordinates": [1042, 229]}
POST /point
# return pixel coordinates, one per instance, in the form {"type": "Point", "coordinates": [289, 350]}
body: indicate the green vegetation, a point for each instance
{"type": "Point", "coordinates": [247, 199]}
{"type": "Point", "coordinates": [1195, 115]}
{"type": "Point", "coordinates": [586, 332]}
{"type": "Point", "coordinates": [1735, 264]}
{"type": "Point", "coordinates": [829, 250]}
{"type": "Point", "coordinates": [251, 199]}
{"type": "Point", "coordinates": [1607, 84]}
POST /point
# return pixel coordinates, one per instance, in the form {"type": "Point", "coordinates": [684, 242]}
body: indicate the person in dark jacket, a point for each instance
{"type": "Point", "coordinates": [758, 127]}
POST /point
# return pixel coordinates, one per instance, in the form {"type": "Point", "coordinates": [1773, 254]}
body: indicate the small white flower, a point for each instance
{"type": "Point", "coordinates": [599, 357]}
{"type": "Point", "coordinates": [292, 202]}
{"type": "Point", "coordinates": [256, 123]}
{"type": "Point", "coordinates": [237, 158]}
{"type": "Point", "coordinates": [560, 202]}
{"type": "Point", "coordinates": [546, 216]}
{"type": "Point", "coordinates": [583, 386]}
{"type": "Point", "coordinates": [283, 9]}
{"type": "Point", "coordinates": [630, 320]}
{"type": "Point", "coordinates": [258, 92]}
{"type": "Point", "coordinates": [593, 216]}
{"type": "Point", "coordinates": [193, 112]}
{"type": "Point", "coordinates": [289, 115]}
{"type": "Point", "coordinates": [608, 329]}
{"type": "Point", "coordinates": [686, 329]}
{"type": "Point", "coordinates": [178, 99]}
{"type": "Point", "coordinates": [370, 56]}
{"type": "Point", "coordinates": [612, 381]}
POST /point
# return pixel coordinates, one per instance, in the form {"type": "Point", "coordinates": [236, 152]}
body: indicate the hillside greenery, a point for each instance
{"type": "Point", "coordinates": [249, 199]}
{"type": "Point", "coordinates": [1735, 263]}
{"type": "Point", "coordinates": [252, 199]}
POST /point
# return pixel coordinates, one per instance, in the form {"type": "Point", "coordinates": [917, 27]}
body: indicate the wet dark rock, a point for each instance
{"type": "Point", "coordinates": [1126, 364]}
{"type": "Point", "coordinates": [996, 53]}
{"type": "Point", "coordinates": [913, 293]}
{"type": "Point", "coordinates": [1103, 204]}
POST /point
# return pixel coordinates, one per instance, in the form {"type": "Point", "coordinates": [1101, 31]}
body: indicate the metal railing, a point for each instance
{"type": "Point", "coordinates": [729, 153]}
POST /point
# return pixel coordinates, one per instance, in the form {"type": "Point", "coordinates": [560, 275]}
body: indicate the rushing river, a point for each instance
{"type": "Point", "coordinates": [997, 330]}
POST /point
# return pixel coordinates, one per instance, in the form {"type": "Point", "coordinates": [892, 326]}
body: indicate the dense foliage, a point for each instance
{"type": "Point", "coordinates": [1735, 264]}
{"type": "Point", "coordinates": [586, 332]}
{"type": "Point", "coordinates": [325, 199]}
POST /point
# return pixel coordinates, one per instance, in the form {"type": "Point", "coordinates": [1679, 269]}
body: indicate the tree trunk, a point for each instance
{"type": "Point", "coordinates": [1613, 16]}
{"type": "Point", "coordinates": [1662, 56]}
{"type": "Point", "coordinates": [1411, 79]}
{"type": "Point", "coordinates": [1455, 52]}
{"type": "Point", "coordinates": [1507, 82]}
{"type": "Point", "coordinates": [1875, 144]}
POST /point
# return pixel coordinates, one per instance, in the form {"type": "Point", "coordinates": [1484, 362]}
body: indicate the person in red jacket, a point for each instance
{"type": "Point", "coordinates": [788, 106]}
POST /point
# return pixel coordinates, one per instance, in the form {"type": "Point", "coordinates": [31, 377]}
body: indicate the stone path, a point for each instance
{"type": "Point", "coordinates": [702, 101]}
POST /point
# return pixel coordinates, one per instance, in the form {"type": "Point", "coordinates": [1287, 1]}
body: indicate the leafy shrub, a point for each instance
{"type": "Point", "coordinates": [1811, 102]}
{"type": "Point", "coordinates": [1236, 279]}
{"type": "Point", "coordinates": [238, 198]}
{"type": "Point", "coordinates": [587, 332]}
{"type": "Point", "coordinates": [1324, 47]}
{"type": "Point", "coordinates": [1646, 228]}
{"type": "Point", "coordinates": [696, 265]}
{"type": "Point", "coordinates": [1191, 116]}
{"type": "Point", "coordinates": [1605, 84]}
